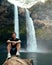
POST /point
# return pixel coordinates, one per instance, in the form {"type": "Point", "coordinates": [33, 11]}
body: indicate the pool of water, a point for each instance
{"type": "Point", "coordinates": [38, 58]}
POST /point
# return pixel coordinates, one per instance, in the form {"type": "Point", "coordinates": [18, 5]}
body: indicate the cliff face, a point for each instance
{"type": "Point", "coordinates": [41, 14]}
{"type": "Point", "coordinates": [6, 19]}
{"type": "Point", "coordinates": [7, 22]}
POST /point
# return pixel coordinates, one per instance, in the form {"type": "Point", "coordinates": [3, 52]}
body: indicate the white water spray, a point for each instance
{"type": "Point", "coordinates": [16, 21]}
{"type": "Point", "coordinates": [31, 37]}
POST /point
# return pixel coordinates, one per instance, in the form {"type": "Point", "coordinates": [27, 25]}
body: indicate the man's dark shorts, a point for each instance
{"type": "Point", "coordinates": [13, 49]}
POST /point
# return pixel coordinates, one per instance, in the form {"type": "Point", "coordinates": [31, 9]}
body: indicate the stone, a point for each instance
{"type": "Point", "coordinates": [17, 61]}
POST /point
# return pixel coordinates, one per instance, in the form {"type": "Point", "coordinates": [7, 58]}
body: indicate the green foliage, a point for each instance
{"type": "Point", "coordinates": [39, 32]}
{"type": "Point", "coordinates": [44, 34]}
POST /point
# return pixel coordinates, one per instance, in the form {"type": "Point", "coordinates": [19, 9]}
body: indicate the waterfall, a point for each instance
{"type": "Point", "coordinates": [16, 21]}
{"type": "Point", "coordinates": [31, 37]}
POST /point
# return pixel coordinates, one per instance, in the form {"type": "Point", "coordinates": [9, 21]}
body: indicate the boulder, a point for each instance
{"type": "Point", "coordinates": [17, 61]}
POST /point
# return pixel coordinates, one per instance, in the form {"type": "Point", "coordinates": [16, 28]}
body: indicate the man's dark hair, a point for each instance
{"type": "Point", "coordinates": [13, 33]}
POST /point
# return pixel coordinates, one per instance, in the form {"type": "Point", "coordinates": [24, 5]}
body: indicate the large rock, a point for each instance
{"type": "Point", "coordinates": [17, 61]}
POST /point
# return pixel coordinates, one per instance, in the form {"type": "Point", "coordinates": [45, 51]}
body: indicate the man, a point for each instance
{"type": "Point", "coordinates": [13, 43]}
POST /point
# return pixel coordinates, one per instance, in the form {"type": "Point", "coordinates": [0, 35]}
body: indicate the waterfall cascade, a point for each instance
{"type": "Point", "coordinates": [31, 37]}
{"type": "Point", "coordinates": [16, 21]}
